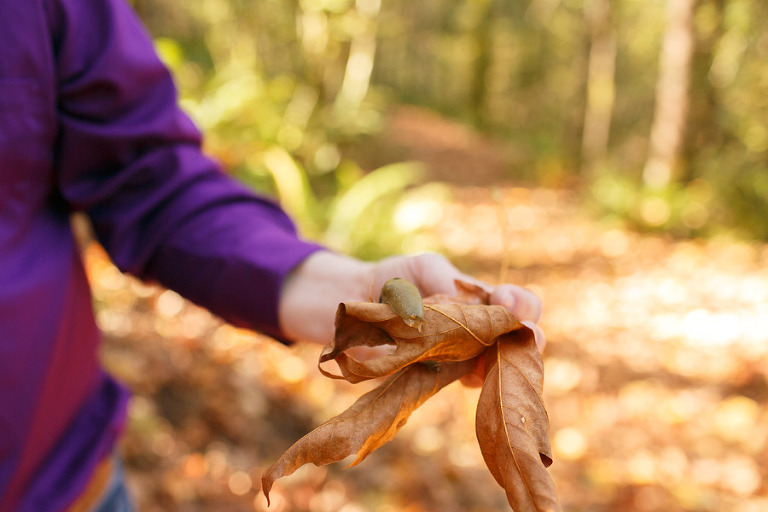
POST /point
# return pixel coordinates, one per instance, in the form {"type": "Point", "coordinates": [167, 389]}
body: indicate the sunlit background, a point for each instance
{"type": "Point", "coordinates": [609, 155]}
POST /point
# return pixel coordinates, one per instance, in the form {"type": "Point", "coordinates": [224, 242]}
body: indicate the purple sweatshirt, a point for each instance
{"type": "Point", "coordinates": [89, 122]}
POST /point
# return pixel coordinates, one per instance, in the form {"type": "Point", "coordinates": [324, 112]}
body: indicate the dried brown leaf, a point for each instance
{"type": "Point", "coordinates": [452, 332]}
{"type": "Point", "coordinates": [370, 422]}
{"type": "Point", "coordinates": [512, 425]}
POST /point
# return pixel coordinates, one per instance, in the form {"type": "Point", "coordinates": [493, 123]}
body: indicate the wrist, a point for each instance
{"type": "Point", "coordinates": [312, 291]}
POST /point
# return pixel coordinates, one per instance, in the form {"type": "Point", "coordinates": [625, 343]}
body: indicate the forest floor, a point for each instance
{"type": "Point", "coordinates": [656, 369]}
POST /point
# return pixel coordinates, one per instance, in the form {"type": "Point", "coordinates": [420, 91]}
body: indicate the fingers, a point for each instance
{"type": "Point", "coordinates": [431, 273]}
{"type": "Point", "coordinates": [434, 274]}
{"type": "Point", "coordinates": [525, 305]}
{"type": "Point", "coordinates": [521, 302]}
{"type": "Point", "coordinates": [538, 334]}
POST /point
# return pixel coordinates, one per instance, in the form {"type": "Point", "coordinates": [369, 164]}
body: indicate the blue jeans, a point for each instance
{"type": "Point", "coordinates": [116, 498]}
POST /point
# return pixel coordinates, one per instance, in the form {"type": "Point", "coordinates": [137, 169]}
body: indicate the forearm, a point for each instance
{"type": "Point", "coordinates": [231, 255]}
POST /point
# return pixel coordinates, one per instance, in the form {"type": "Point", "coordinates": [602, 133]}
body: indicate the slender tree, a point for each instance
{"type": "Point", "coordinates": [672, 95]}
{"type": "Point", "coordinates": [601, 70]}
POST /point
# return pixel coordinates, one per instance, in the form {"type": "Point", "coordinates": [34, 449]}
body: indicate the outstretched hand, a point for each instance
{"type": "Point", "coordinates": [314, 289]}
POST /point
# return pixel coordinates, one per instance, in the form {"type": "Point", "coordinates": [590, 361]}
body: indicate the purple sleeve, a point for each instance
{"type": "Point", "coordinates": [131, 159]}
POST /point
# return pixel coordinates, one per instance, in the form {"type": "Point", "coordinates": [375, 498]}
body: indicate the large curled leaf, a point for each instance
{"type": "Point", "coordinates": [370, 422]}
{"type": "Point", "coordinates": [512, 425]}
{"type": "Point", "coordinates": [452, 332]}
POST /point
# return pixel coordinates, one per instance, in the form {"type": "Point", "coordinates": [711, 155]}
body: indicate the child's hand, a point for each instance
{"type": "Point", "coordinates": [313, 291]}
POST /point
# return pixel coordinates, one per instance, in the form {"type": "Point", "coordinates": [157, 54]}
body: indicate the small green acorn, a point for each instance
{"type": "Point", "coordinates": [405, 300]}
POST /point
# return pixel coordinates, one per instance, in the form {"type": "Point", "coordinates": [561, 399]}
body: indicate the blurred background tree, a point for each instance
{"type": "Point", "coordinates": [656, 110]}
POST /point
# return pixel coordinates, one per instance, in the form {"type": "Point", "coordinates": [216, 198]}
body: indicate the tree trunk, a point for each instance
{"type": "Point", "coordinates": [482, 36]}
{"type": "Point", "coordinates": [601, 90]}
{"type": "Point", "coordinates": [703, 131]}
{"type": "Point", "coordinates": [357, 75]}
{"type": "Point", "coordinates": [672, 96]}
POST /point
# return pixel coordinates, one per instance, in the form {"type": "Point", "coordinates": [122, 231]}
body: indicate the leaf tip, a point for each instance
{"type": "Point", "coordinates": [266, 486]}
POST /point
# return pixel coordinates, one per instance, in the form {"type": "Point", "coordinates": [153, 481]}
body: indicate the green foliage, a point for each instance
{"type": "Point", "coordinates": [269, 84]}
{"type": "Point", "coordinates": [304, 78]}
{"type": "Point", "coordinates": [683, 210]}
{"type": "Point", "coordinates": [357, 217]}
